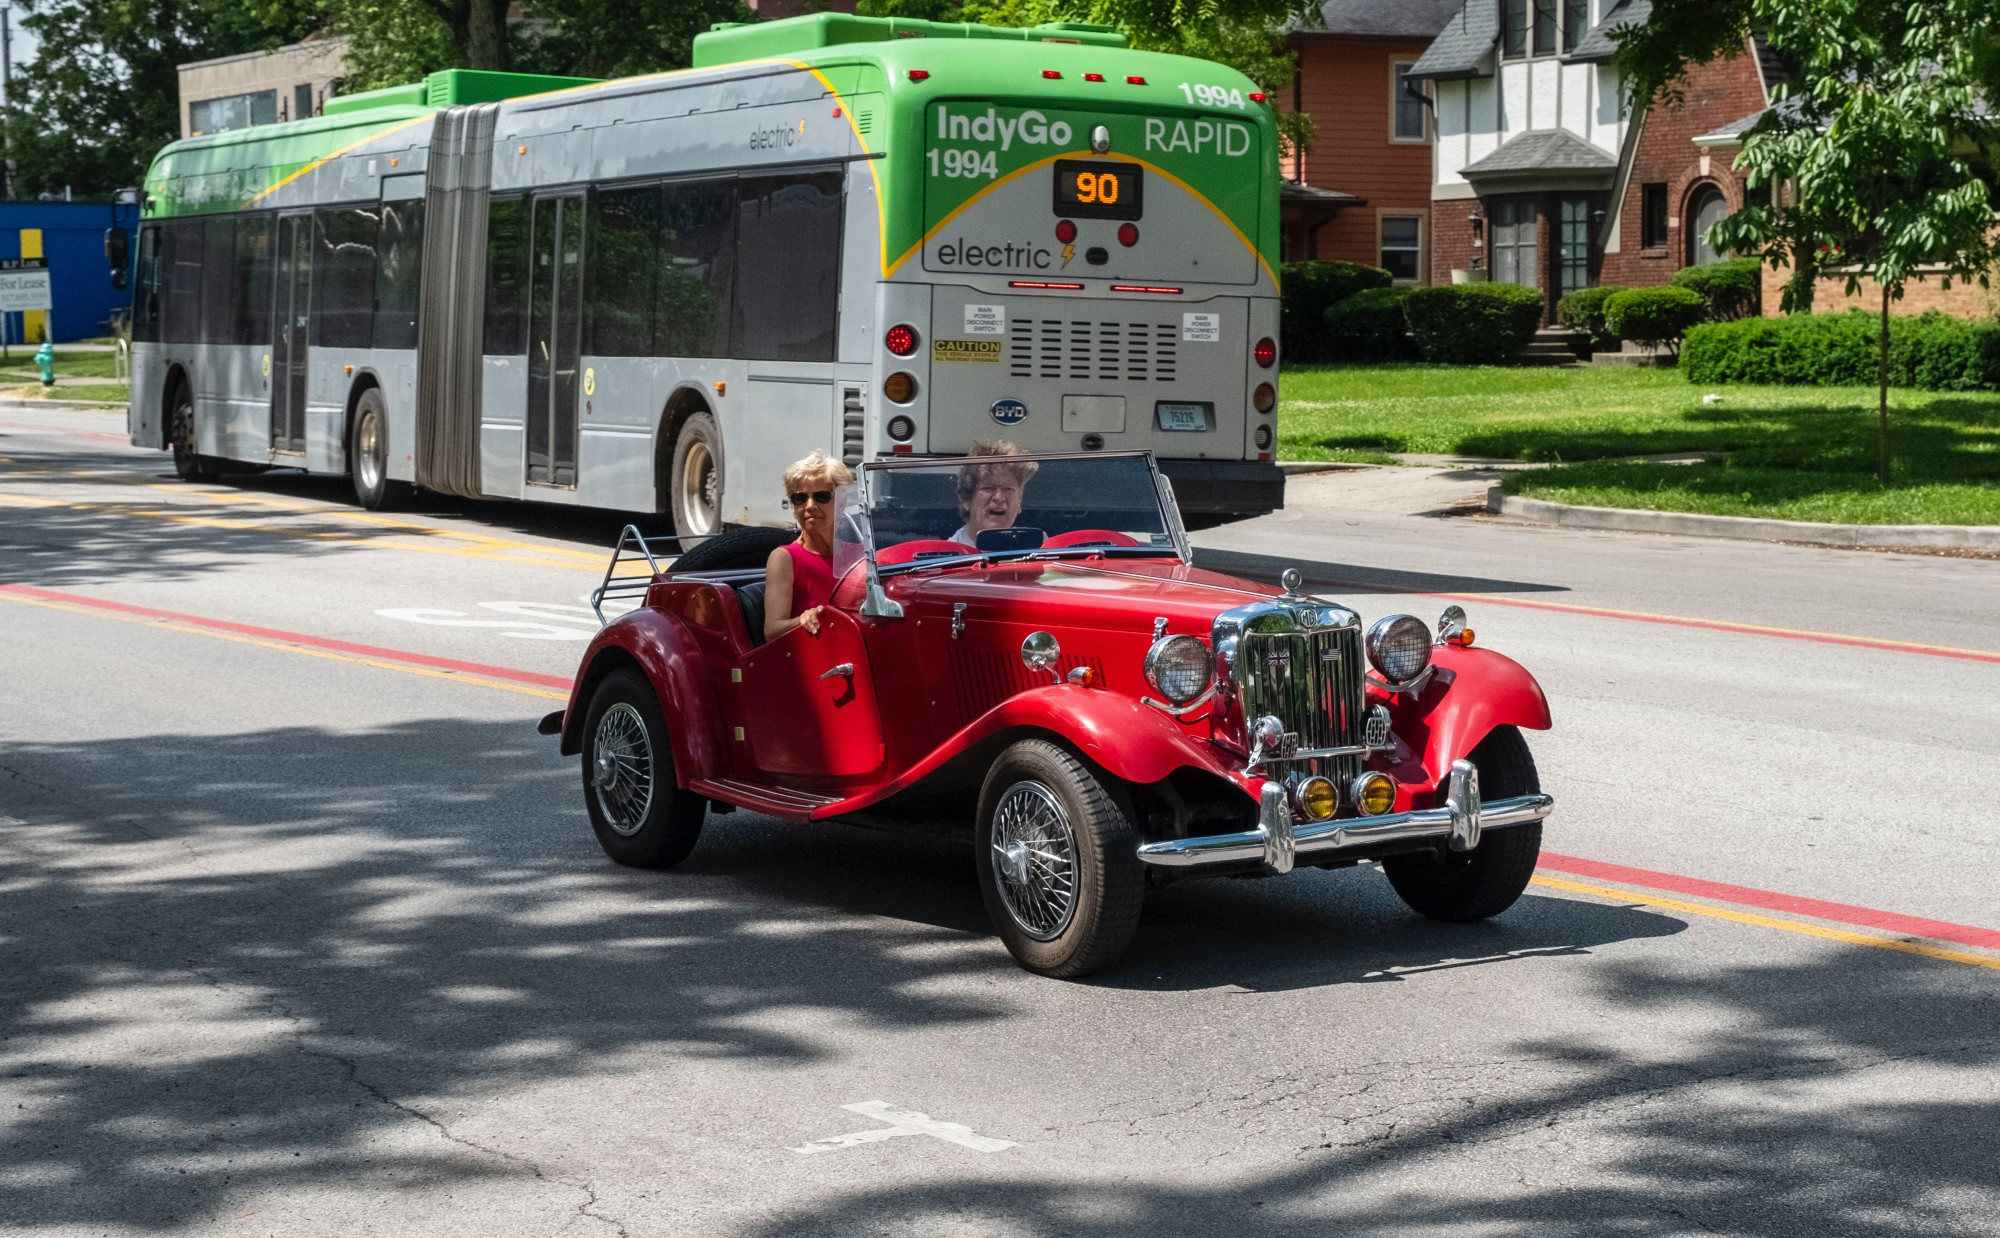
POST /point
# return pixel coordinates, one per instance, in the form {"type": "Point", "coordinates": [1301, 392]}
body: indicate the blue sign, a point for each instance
{"type": "Point", "coordinates": [1009, 412]}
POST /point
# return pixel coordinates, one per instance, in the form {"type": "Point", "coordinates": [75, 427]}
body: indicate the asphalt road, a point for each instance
{"type": "Point", "coordinates": [302, 930]}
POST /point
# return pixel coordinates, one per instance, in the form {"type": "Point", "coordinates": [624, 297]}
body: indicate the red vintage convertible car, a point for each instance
{"type": "Point", "coordinates": [1099, 714]}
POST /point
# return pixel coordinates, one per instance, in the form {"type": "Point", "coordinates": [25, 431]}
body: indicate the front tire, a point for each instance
{"type": "Point", "coordinates": [641, 818]}
{"type": "Point", "coordinates": [188, 464]}
{"type": "Point", "coordinates": [694, 480]}
{"type": "Point", "coordinates": [1058, 862]}
{"type": "Point", "coordinates": [1459, 887]}
{"type": "Point", "coordinates": [368, 456]}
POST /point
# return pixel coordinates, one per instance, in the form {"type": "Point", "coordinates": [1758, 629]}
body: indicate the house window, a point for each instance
{"type": "Point", "coordinates": [1514, 28]}
{"type": "Point", "coordinates": [233, 112]}
{"type": "Point", "coordinates": [1403, 246]}
{"type": "Point", "coordinates": [1706, 209]}
{"type": "Point", "coordinates": [1576, 21]}
{"type": "Point", "coordinates": [1653, 215]}
{"type": "Point", "coordinates": [302, 101]}
{"type": "Point", "coordinates": [1573, 244]}
{"type": "Point", "coordinates": [1545, 27]}
{"type": "Point", "coordinates": [1407, 103]}
{"type": "Point", "coordinates": [1511, 232]}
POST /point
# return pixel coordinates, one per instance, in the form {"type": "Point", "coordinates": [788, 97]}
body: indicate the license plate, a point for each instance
{"type": "Point", "coordinates": [1182, 416]}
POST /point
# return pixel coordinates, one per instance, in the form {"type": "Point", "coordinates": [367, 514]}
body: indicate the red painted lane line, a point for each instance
{"type": "Point", "coordinates": [296, 638]}
{"type": "Point", "coordinates": [1839, 913]}
{"type": "Point", "coordinates": [1723, 625]}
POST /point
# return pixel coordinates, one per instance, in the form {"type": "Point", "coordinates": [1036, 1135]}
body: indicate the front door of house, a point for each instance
{"type": "Point", "coordinates": [1512, 224]}
{"type": "Point", "coordinates": [555, 337]}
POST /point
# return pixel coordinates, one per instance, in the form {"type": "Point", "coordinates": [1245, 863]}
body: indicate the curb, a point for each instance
{"type": "Point", "coordinates": [1748, 528]}
{"type": "Point", "coordinates": [72, 406]}
{"type": "Point", "coordinates": [1294, 467]}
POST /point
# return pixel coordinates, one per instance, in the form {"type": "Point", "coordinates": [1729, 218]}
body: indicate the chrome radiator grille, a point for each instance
{"type": "Point", "coordinates": [1312, 681]}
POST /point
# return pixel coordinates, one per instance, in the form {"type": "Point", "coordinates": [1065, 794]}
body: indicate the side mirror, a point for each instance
{"type": "Point", "coordinates": [118, 255]}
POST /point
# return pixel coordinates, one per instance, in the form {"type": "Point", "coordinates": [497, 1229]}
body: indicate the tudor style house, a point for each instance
{"type": "Point", "coordinates": [1541, 174]}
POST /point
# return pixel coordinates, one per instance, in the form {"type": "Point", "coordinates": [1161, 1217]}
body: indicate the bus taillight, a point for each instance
{"type": "Point", "coordinates": [1266, 352]}
{"type": "Point", "coordinates": [902, 340]}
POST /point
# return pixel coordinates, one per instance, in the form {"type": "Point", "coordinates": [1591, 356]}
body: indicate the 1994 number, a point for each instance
{"type": "Point", "coordinates": [965, 163]}
{"type": "Point", "coordinates": [1213, 96]}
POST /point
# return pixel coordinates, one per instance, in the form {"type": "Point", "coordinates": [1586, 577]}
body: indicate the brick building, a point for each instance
{"type": "Point", "coordinates": [1362, 191]}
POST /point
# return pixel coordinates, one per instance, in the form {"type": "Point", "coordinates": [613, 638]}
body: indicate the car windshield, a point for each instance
{"type": "Point", "coordinates": [1011, 506]}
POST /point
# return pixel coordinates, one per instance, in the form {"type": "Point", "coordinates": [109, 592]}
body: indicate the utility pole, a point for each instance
{"type": "Point", "coordinates": [6, 101]}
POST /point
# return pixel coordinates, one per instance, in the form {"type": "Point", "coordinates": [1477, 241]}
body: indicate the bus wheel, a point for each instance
{"type": "Point", "coordinates": [368, 456]}
{"type": "Point", "coordinates": [695, 482]}
{"type": "Point", "coordinates": [188, 465]}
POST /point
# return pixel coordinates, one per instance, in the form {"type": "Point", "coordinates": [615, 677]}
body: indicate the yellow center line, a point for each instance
{"type": "Point", "coordinates": [1901, 945]}
{"type": "Point", "coordinates": [329, 655]}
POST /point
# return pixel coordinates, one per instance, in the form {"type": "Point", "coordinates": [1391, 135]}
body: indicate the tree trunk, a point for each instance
{"type": "Point", "coordinates": [486, 35]}
{"type": "Point", "coordinates": [1882, 375]}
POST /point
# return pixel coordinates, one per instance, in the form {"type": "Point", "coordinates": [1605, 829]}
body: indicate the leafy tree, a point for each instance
{"type": "Point", "coordinates": [393, 41]}
{"type": "Point", "coordinates": [102, 95]}
{"type": "Point", "coordinates": [1872, 163]}
{"type": "Point", "coordinates": [390, 42]}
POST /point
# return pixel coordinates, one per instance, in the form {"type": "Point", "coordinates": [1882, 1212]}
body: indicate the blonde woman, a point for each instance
{"type": "Point", "coordinates": [990, 492]}
{"type": "Point", "coordinates": [798, 577]}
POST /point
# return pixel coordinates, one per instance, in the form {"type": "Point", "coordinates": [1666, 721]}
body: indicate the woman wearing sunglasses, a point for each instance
{"type": "Point", "coordinates": [798, 577]}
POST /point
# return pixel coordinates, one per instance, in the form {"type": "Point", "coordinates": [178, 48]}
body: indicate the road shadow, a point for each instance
{"type": "Point", "coordinates": [1359, 578]}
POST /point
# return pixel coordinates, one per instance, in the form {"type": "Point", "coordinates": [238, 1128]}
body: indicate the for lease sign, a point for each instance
{"type": "Point", "coordinates": [24, 284]}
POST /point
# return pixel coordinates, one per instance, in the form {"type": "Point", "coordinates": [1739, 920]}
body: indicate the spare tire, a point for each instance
{"type": "Point", "coordinates": [733, 551]}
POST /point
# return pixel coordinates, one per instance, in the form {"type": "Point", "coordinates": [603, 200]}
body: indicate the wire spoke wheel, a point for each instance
{"type": "Point", "coordinates": [621, 776]}
{"type": "Point", "coordinates": [1034, 860]}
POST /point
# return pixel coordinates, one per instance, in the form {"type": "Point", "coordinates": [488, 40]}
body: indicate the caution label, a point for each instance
{"type": "Point", "coordinates": [966, 350]}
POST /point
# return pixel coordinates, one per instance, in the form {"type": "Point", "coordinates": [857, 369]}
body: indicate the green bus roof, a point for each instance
{"type": "Point", "coordinates": [728, 42]}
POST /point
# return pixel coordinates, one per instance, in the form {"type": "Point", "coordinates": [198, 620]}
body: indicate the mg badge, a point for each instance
{"type": "Point", "coordinates": [1009, 412]}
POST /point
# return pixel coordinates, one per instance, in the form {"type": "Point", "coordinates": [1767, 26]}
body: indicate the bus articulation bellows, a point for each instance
{"type": "Point", "coordinates": [869, 236]}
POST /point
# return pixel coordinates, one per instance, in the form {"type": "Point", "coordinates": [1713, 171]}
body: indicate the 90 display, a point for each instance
{"type": "Point", "coordinates": [1099, 189]}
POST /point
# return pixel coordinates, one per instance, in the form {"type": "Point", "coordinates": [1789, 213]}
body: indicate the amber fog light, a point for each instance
{"type": "Point", "coordinates": [1315, 798]}
{"type": "Point", "coordinates": [902, 429]}
{"type": "Point", "coordinates": [1374, 793]}
{"type": "Point", "coordinates": [1265, 398]}
{"type": "Point", "coordinates": [900, 387]}
{"type": "Point", "coordinates": [901, 339]}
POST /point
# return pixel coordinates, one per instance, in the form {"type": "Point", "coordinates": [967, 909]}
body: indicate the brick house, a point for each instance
{"type": "Point", "coordinates": [1542, 175]}
{"type": "Point", "coordinates": [1362, 191]}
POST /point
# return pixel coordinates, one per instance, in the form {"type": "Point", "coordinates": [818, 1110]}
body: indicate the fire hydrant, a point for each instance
{"type": "Point", "coordinates": [45, 361]}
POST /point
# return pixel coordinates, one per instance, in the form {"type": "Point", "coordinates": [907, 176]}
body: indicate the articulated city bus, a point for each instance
{"type": "Point", "coordinates": [866, 236]}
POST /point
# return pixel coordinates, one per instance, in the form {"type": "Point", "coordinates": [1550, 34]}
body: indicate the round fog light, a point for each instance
{"type": "Point", "coordinates": [900, 387]}
{"type": "Point", "coordinates": [1315, 798]}
{"type": "Point", "coordinates": [1263, 437]}
{"type": "Point", "coordinates": [1374, 793]}
{"type": "Point", "coordinates": [902, 429]}
{"type": "Point", "coordinates": [1265, 398]}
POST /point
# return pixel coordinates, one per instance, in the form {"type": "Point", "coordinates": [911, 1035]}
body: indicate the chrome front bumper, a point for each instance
{"type": "Point", "coordinates": [1277, 844]}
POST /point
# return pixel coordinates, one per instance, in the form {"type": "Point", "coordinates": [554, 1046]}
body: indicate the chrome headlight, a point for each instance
{"type": "Point", "coordinates": [1399, 646]}
{"type": "Point", "coordinates": [1179, 668]}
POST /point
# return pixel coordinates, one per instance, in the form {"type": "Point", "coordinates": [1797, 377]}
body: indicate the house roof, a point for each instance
{"type": "Point", "coordinates": [1598, 45]}
{"type": "Point", "coordinates": [1300, 193]}
{"type": "Point", "coordinates": [1410, 19]}
{"type": "Point", "coordinates": [1543, 151]}
{"type": "Point", "coordinates": [1464, 46]}
{"type": "Point", "coordinates": [1731, 133]}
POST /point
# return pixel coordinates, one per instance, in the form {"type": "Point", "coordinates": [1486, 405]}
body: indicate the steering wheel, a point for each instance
{"type": "Point", "coordinates": [1090, 537]}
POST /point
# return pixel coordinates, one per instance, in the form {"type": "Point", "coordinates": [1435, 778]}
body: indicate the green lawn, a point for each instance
{"type": "Point", "coordinates": [97, 393]}
{"type": "Point", "coordinates": [20, 364]}
{"type": "Point", "coordinates": [1795, 453]}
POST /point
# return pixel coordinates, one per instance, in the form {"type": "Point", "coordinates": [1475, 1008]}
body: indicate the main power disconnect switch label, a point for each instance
{"type": "Point", "coordinates": [1201, 328]}
{"type": "Point", "coordinates": [986, 320]}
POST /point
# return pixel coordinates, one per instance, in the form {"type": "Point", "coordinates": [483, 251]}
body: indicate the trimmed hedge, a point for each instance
{"type": "Point", "coordinates": [1933, 351]}
{"type": "Point", "coordinates": [1472, 324]}
{"type": "Point", "coordinates": [1308, 290]}
{"type": "Point", "coordinates": [1369, 326]}
{"type": "Point", "coordinates": [1731, 287]}
{"type": "Point", "coordinates": [1654, 315]}
{"type": "Point", "coordinates": [1584, 310]}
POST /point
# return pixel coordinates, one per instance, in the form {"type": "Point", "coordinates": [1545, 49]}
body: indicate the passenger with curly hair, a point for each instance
{"type": "Point", "coordinates": [990, 492]}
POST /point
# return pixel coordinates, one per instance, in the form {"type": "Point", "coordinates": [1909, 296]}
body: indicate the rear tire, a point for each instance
{"type": "Point", "coordinates": [188, 464]}
{"type": "Point", "coordinates": [1058, 862]}
{"type": "Point", "coordinates": [368, 456]}
{"type": "Point", "coordinates": [1459, 887]}
{"type": "Point", "coordinates": [641, 818]}
{"type": "Point", "coordinates": [694, 480]}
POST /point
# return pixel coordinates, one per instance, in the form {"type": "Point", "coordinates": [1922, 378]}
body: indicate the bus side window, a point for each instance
{"type": "Point", "coordinates": [218, 269]}
{"type": "Point", "coordinates": [506, 277]}
{"type": "Point", "coordinates": [344, 277]}
{"type": "Point", "coordinates": [400, 257]}
{"type": "Point", "coordinates": [787, 267]}
{"type": "Point", "coordinates": [252, 301]}
{"type": "Point", "coordinates": [146, 291]}
{"type": "Point", "coordinates": [623, 255]}
{"type": "Point", "coordinates": [697, 269]}
{"type": "Point", "coordinates": [180, 318]}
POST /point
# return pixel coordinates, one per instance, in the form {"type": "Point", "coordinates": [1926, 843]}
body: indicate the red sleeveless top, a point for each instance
{"type": "Point", "coordinates": [812, 578]}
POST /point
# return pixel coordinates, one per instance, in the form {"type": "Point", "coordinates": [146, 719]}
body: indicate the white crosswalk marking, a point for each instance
{"type": "Point", "coordinates": [903, 1122]}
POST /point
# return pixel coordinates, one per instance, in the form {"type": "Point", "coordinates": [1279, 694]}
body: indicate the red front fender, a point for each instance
{"type": "Point", "coordinates": [1474, 691]}
{"type": "Point", "coordinates": [666, 651]}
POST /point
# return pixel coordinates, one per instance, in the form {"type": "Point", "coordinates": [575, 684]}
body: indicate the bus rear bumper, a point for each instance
{"type": "Point", "coordinates": [1225, 487]}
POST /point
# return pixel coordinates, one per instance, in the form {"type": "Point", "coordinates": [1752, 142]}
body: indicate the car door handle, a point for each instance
{"type": "Point", "coordinates": [845, 668]}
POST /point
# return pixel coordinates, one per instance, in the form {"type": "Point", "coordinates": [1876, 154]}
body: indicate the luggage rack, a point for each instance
{"type": "Point", "coordinates": [633, 546]}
